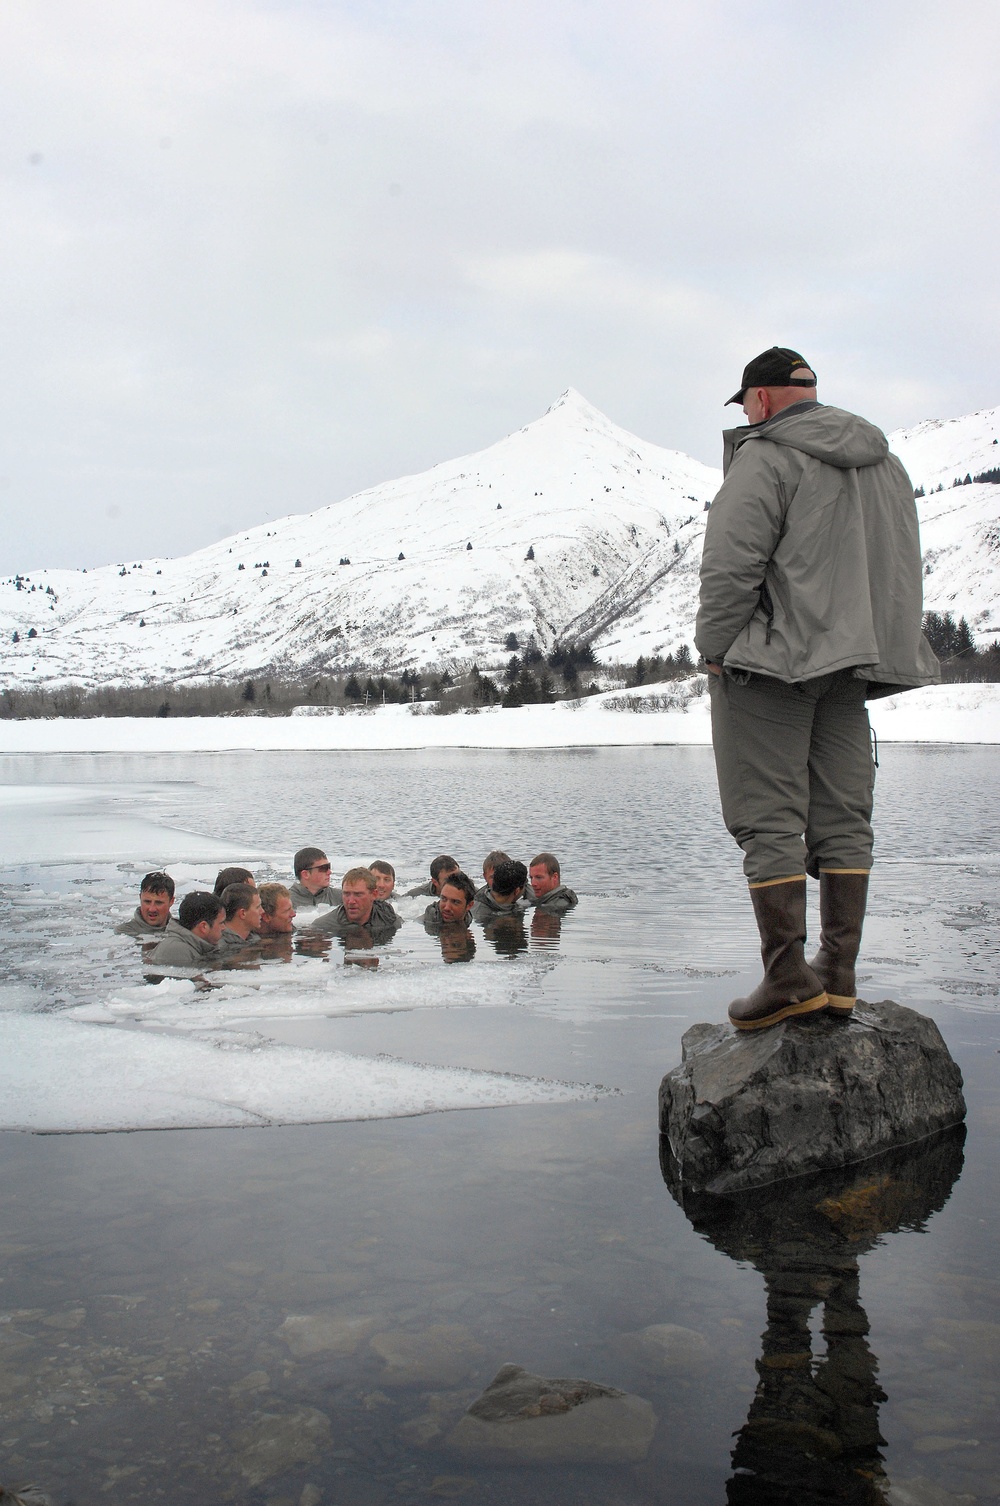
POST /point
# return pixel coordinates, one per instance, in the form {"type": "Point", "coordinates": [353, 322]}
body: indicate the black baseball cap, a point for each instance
{"type": "Point", "coordinates": [774, 368]}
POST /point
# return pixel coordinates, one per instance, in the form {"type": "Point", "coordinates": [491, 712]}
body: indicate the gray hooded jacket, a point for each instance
{"type": "Point", "coordinates": [303, 900]}
{"type": "Point", "coordinates": [557, 901]}
{"type": "Point", "coordinates": [139, 927]}
{"type": "Point", "coordinates": [812, 558]}
{"type": "Point", "coordinates": [182, 948]}
{"type": "Point", "coordinates": [382, 924]}
{"type": "Point", "coordinates": [488, 907]}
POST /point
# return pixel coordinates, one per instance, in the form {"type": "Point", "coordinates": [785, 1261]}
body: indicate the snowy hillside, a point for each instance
{"type": "Point", "coordinates": [569, 529]}
{"type": "Point", "coordinates": [960, 526]}
{"type": "Point", "coordinates": [604, 513]}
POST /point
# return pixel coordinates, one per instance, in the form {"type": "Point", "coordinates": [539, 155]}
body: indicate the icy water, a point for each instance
{"type": "Point", "coordinates": [299, 1315]}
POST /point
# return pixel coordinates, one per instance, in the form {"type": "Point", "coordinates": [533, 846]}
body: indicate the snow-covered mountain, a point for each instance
{"type": "Point", "coordinates": [570, 528]}
{"type": "Point", "coordinates": [441, 571]}
{"type": "Point", "coordinates": [959, 526]}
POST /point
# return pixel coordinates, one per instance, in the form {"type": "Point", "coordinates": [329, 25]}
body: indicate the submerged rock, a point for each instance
{"type": "Point", "coordinates": [441, 1355]}
{"type": "Point", "coordinates": [664, 1348]}
{"type": "Point", "coordinates": [747, 1108]}
{"type": "Point", "coordinates": [277, 1442]}
{"type": "Point", "coordinates": [527, 1419]}
{"type": "Point", "coordinates": [325, 1333]}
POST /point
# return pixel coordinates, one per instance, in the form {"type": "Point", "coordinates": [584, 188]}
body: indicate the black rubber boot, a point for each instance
{"type": "Point", "coordinates": [789, 987]}
{"type": "Point", "coordinates": [842, 901]}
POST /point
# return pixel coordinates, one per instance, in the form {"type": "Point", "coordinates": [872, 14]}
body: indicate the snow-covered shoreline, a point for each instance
{"type": "Point", "coordinates": [938, 714]}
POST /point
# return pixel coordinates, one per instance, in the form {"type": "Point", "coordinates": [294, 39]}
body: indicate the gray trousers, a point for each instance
{"type": "Point", "coordinates": [796, 775]}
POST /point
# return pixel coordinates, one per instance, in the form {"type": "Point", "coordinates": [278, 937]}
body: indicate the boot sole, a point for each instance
{"type": "Point", "coordinates": [808, 1006]}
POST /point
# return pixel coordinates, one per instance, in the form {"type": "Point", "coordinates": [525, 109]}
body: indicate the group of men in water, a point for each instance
{"type": "Point", "coordinates": [239, 914]}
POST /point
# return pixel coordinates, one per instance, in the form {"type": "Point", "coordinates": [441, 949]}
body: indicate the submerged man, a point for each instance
{"type": "Point", "coordinates": [490, 862]}
{"type": "Point", "coordinates": [385, 878]}
{"type": "Point", "coordinates": [243, 912]}
{"type": "Point", "coordinates": [277, 911]}
{"type": "Point", "coordinates": [312, 879]}
{"type": "Point", "coordinates": [227, 876]}
{"type": "Point", "coordinates": [811, 603]}
{"type": "Point", "coordinates": [503, 894]}
{"type": "Point", "coordinates": [548, 892]}
{"type": "Point", "coordinates": [152, 919]}
{"type": "Point", "coordinates": [359, 910]}
{"type": "Point", "coordinates": [441, 867]}
{"type": "Point", "coordinates": [195, 939]}
{"type": "Point", "coordinates": [454, 905]}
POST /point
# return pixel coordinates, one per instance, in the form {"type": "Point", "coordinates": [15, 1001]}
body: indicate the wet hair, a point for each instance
{"type": "Point", "coordinates": [198, 906]}
{"type": "Point", "coordinates": [461, 881]}
{"type": "Point", "coordinates": [547, 861]}
{"type": "Point", "coordinates": [157, 883]}
{"type": "Point", "coordinates": [269, 896]}
{"type": "Point", "coordinates": [229, 876]}
{"type": "Point", "coordinates": [508, 876]}
{"type": "Point", "coordinates": [491, 859]}
{"type": "Point", "coordinates": [305, 858]}
{"type": "Point", "coordinates": [237, 897]}
{"type": "Point", "coordinates": [359, 876]}
{"type": "Point", "coordinates": [443, 864]}
{"type": "Point", "coordinates": [381, 866]}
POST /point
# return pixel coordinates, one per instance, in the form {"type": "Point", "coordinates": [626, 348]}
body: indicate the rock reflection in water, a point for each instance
{"type": "Point", "coordinates": [812, 1433]}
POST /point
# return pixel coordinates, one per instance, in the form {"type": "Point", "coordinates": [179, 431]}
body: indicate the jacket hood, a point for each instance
{"type": "Point", "coordinates": [827, 434]}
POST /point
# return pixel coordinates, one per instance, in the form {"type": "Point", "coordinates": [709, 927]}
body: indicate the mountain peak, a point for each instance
{"type": "Point", "coordinates": [575, 403]}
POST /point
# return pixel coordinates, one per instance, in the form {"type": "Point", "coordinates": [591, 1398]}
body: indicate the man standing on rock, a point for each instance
{"type": "Point", "coordinates": [811, 604]}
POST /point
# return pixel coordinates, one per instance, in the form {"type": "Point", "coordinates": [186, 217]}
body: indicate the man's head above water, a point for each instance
{"type": "Point", "coordinates": [203, 915]}
{"type": "Point", "coordinates": [508, 881]}
{"type": "Point", "coordinates": [456, 898]}
{"type": "Point", "coordinates": [277, 909]}
{"type": "Point", "coordinates": [358, 895]}
{"type": "Point", "coordinates": [312, 869]}
{"type": "Point", "coordinates": [156, 895]}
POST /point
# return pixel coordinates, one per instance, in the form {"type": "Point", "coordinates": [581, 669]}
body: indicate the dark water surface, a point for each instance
{"type": "Point", "coordinates": [147, 1280]}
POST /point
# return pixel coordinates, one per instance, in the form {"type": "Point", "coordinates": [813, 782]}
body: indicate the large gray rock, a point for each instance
{"type": "Point", "coordinates": [747, 1108]}
{"type": "Point", "coordinates": [527, 1419]}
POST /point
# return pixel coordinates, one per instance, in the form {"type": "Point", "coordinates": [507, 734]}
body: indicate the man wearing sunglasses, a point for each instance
{"type": "Point", "coordinates": [312, 880]}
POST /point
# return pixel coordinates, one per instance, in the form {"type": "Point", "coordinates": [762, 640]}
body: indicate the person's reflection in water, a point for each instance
{"type": "Point", "coordinates": [358, 941]}
{"type": "Point", "coordinates": [812, 1433]}
{"type": "Point", "coordinates": [457, 943]}
{"type": "Point", "coordinates": [545, 927]}
{"type": "Point", "coordinates": [505, 933]}
{"type": "Point", "coordinates": [276, 948]}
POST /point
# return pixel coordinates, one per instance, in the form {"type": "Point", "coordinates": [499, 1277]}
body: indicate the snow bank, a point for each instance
{"type": "Point", "coordinates": [938, 714]}
{"type": "Point", "coordinates": [61, 1076]}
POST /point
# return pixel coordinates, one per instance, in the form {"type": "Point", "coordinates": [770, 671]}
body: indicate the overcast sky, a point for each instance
{"type": "Point", "coordinates": [256, 256]}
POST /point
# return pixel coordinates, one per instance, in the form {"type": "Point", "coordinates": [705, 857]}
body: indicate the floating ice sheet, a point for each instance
{"type": "Point", "coordinates": [306, 988]}
{"type": "Point", "coordinates": [93, 823]}
{"type": "Point", "coordinates": [59, 1075]}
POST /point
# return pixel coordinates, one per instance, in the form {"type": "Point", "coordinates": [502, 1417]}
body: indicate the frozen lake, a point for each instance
{"type": "Point", "coordinates": [297, 1312]}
